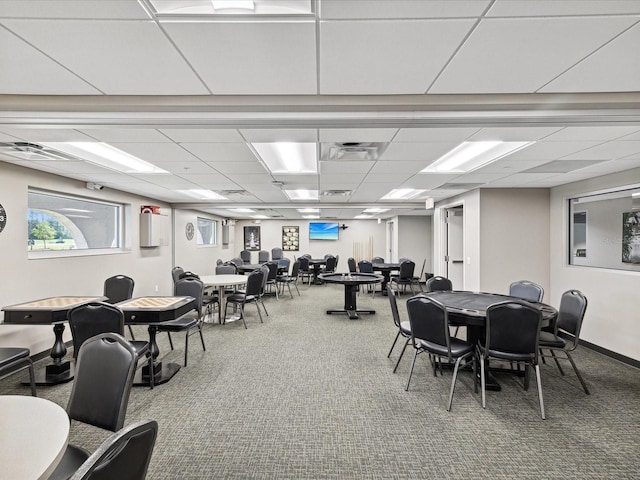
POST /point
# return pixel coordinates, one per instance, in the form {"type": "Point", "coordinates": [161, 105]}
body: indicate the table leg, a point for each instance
{"type": "Point", "coordinates": [161, 373]}
{"type": "Point", "coordinates": [350, 307]}
{"type": "Point", "coordinates": [58, 371]}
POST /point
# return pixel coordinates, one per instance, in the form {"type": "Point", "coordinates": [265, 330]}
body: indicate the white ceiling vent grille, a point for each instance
{"type": "Point", "coordinates": [336, 193]}
{"type": "Point", "coordinates": [33, 151]}
{"type": "Point", "coordinates": [229, 193]}
{"type": "Point", "coordinates": [352, 151]}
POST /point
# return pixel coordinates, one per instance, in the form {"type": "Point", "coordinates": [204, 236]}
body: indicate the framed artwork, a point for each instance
{"type": "Point", "coordinates": [290, 239]}
{"type": "Point", "coordinates": [252, 238]}
{"type": "Point", "coordinates": [631, 237]}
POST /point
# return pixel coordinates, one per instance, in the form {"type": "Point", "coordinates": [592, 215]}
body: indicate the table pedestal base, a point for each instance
{"type": "Point", "coordinates": [353, 314]}
{"type": "Point", "coordinates": [53, 374]}
{"type": "Point", "coordinates": [162, 374]}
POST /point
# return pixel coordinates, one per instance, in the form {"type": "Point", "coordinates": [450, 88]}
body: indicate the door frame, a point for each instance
{"type": "Point", "coordinates": [440, 238]}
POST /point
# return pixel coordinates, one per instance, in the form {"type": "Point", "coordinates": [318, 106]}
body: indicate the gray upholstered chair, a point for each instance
{"type": "Point", "coordinates": [263, 256]}
{"type": "Point", "coordinates": [93, 400]}
{"type": "Point", "coordinates": [430, 333]}
{"type": "Point", "coordinates": [526, 290]}
{"type": "Point", "coordinates": [14, 359]}
{"type": "Point", "coordinates": [405, 275]}
{"type": "Point", "coordinates": [290, 279]}
{"type": "Point", "coordinates": [377, 260]}
{"type": "Point", "coordinates": [118, 289]}
{"type": "Point", "coordinates": [124, 455]}
{"type": "Point", "coordinates": [245, 255]}
{"type": "Point", "coordinates": [512, 335]}
{"type": "Point", "coordinates": [276, 253]}
{"type": "Point", "coordinates": [250, 295]}
{"type": "Point", "coordinates": [573, 306]}
{"type": "Point", "coordinates": [351, 264]}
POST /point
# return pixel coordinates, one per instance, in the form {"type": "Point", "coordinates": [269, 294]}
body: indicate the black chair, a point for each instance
{"type": "Point", "coordinates": [573, 305]}
{"type": "Point", "coordinates": [187, 287]}
{"type": "Point", "coordinates": [417, 280]}
{"type": "Point", "coordinates": [125, 455]}
{"type": "Point", "coordinates": [351, 264]}
{"type": "Point", "coordinates": [252, 294]}
{"type": "Point", "coordinates": [118, 289]}
{"type": "Point", "coordinates": [438, 283]}
{"type": "Point", "coordinates": [175, 274]}
{"type": "Point", "coordinates": [227, 269]}
{"type": "Point", "coordinates": [430, 333]}
{"type": "Point", "coordinates": [330, 266]}
{"type": "Point", "coordinates": [91, 319]}
{"type": "Point", "coordinates": [263, 256]}
{"type": "Point", "coordinates": [305, 270]}
{"type": "Point", "coordinates": [365, 266]}
{"type": "Point", "coordinates": [377, 260]}
{"type": "Point", "coordinates": [14, 359]}
{"type": "Point", "coordinates": [512, 332]}
{"type": "Point", "coordinates": [404, 328]}
{"type": "Point", "coordinates": [283, 265]}
{"type": "Point", "coordinates": [526, 290]}
{"type": "Point", "coordinates": [100, 393]}
{"type": "Point", "coordinates": [288, 280]}
{"type": "Point", "coordinates": [276, 253]}
{"type": "Point", "coordinates": [405, 275]}
{"type": "Point", "coordinates": [209, 299]}
{"type": "Point", "coordinates": [272, 278]}
{"type": "Point", "coordinates": [245, 255]}
{"type": "Point", "coordinates": [237, 261]}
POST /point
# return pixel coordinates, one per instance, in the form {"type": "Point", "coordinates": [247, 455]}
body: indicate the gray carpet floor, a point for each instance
{"type": "Point", "coordinates": [307, 395]}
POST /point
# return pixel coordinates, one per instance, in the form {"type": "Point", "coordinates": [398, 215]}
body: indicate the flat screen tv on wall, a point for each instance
{"type": "Point", "coordinates": [323, 230]}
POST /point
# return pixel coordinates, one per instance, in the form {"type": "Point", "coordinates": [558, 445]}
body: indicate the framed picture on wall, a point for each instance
{"type": "Point", "coordinates": [252, 238]}
{"type": "Point", "coordinates": [631, 237]}
{"type": "Point", "coordinates": [290, 239]}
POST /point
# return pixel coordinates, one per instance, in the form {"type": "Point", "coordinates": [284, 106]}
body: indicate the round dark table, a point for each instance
{"type": "Point", "coordinates": [317, 263]}
{"type": "Point", "coordinates": [351, 282]}
{"type": "Point", "coordinates": [385, 269]}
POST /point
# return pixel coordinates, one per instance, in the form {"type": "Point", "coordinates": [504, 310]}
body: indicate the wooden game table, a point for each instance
{"type": "Point", "coordinates": [49, 311]}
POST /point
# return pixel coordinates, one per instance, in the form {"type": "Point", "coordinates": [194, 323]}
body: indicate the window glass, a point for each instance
{"type": "Point", "coordinates": [604, 230]}
{"type": "Point", "coordinates": [207, 232]}
{"type": "Point", "coordinates": [60, 222]}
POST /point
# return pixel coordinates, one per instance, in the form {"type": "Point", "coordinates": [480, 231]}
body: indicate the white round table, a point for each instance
{"type": "Point", "coordinates": [222, 281]}
{"type": "Point", "coordinates": [33, 436]}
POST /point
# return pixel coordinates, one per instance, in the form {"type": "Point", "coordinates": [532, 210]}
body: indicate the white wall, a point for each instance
{"type": "Point", "coordinates": [200, 259]}
{"type": "Point", "coordinates": [24, 279]}
{"type": "Point", "coordinates": [612, 319]}
{"type": "Point", "coordinates": [415, 240]}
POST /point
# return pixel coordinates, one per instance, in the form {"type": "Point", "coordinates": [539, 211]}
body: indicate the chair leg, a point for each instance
{"type": "Point", "coordinates": [537, 368]}
{"type": "Point", "coordinates": [131, 332]}
{"type": "Point", "coordinates": [553, 354]}
{"type": "Point", "coordinates": [415, 355]}
{"type": "Point", "coordinates": [204, 349]}
{"type": "Point", "coordinates": [295, 284]}
{"type": "Point", "coordinates": [150, 360]}
{"type": "Point", "coordinates": [242, 315]}
{"type": "Point", "coordinates": [393, 344]}
{"type": "Point", "coordinates": [453, 380]}
{"type": "Point", "coordinates": [186, 347]}
{"type": "Point", "coordinates": [289, 287]}
{"type": "Point", "coordinates": [401, 354]}
{"type": "Point", "coordinates": [482, 383]}
{"type": "Point", "coordinates": [170, 340]}
{"type": "Point", "coordinates": [258, 308]}
{"type": "Point", "coordinates": [575, 369]}
{"type": "Point", "coordinates": [32, 379]}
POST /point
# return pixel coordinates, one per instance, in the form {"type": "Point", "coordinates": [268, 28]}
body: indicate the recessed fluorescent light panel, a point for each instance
{"type": "Point", "coordinates": [106, 156]}
{"type": "Point", "coordinates": [301, 194]}
{"type": "Point", "coordinates": [233, 4]}
{"type": "Point", "coordinates": [260, 217]}
{"type": "Point", "coordinates": [469, 156]}
{"type": "Point", "coordinates": [311, 217]}
{"type": "Point", "coordinates": [402, 194]}
{"type": "Point", "coordinates": [201, 194]}
{"type": "Point", "coordinates": [217, 8]}
{"type": "Point", "coordinates": [242, 210]}
{"type": "Point", "coordinates": [288, 158]}
{"type": "Point", "coordinates": [363, 216]}
{"type": "Point", "coordinates": [308, 210]}
{"type": "Point", "coordinates": [375, 210]}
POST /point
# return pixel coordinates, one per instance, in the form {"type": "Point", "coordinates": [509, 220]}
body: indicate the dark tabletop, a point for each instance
{"type": "Point", "coordinates": [351, 278]}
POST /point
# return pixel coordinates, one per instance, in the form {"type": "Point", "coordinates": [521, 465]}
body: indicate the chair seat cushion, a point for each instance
{"type": "Point", "coordinates": [72, 459]}
{"type": "Point", "coordinates": [240, 298]}
{"type": "Point", "coordinates": [458, 347]}
{"type": "Point", "coordinates": [180, 324]}
{"type": "Point", "coordinates": [10, 354]}
{"type": "Point", "coordinates": [405, 327]}
{"type": "Point", "coordinates": [508, 356]}
{"type": "Point", "coordinates": [548, 339]}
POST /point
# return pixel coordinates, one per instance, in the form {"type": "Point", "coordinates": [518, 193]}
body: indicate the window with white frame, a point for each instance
{"type": "Point", "coordinates": [59, 222]}
{"type": "Point", "coordinates": [207, 231]}
{"type": "Point", "coordinates": [604, 229]}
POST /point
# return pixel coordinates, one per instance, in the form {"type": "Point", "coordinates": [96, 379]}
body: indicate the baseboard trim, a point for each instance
{"type": "Point", "coordinates": [621, 358]}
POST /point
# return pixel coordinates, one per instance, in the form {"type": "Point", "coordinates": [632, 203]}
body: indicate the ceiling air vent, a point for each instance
{"type": "Point", "coordinates": [33, 151]}
{"type": "Point", "coordinates": [336, 193]}
{"type": "Point", "coordinates": [352, 151]}
{"type": "Point", "coordinates": [227, 193]}
{"type": "Point", "coordinates": [459, 186]}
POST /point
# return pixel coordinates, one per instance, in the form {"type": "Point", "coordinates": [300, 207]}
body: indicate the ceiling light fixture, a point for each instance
{"type": "Point", "coordinates": [288, 157]}
{"type": "Point", "coordinates": [469, 156]}
{"type": "Point", "coordinates": [308, 210]}
{"type": "Point", "coordinates": [375, 210]}
{"type": "Point", "coordinates": [363, 216]}
{"type": "Point", "coordinates": [201, 194]}
{"type": "Point", "coordinates": [402, 194]}
{"type": "Point", "coordinates": [301, 194]}
{"type": "Point", "coordinates": [242, 210]}
{"type": "Point", "coordinates": [311, 217]}
{"type": "Point", "coordinates": [106, 156]}
{"type": "Point", "coordinates": [233, 4]}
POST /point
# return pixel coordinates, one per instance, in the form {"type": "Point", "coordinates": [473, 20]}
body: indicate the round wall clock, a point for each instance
{"type": "Point", "coordinates": [3, 218]}
{"type": "Point", "coordinates": [189, 230]}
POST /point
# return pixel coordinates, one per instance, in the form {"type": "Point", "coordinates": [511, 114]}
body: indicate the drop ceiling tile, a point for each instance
{"type": "Point", "coordinates": [110, 178]}
{"type": "Point", "coordinates": [77, 9]}
{"type": "Point", "coordinates": [428, 152]}
{"type": "Point", "coordinates": [357, 134]}
{"type": "Point", "coordinates": [512, 134]}
{"type": "Point", "coordinates": [220, 152]}
{"type": "Point", "coordinates": [156, 153]}
{"type": "Point", "coordinates": [77, 167]}
{"type": "Point", "coordinates": [126, 135]}
{"type": "Point", "coordinates": [526, 8]}
{"type": "Point", "coordinates": [351, 54]}
{"type": "Point", "coordinates": [478, 177]}
{"type": "Point", "coordinates": [345, 168]}
{"type": "Point", "coordinates": [337, 184]}
{"type": "Point", "coordinates": [600, 133]}
{"type": "Point", "coordinates": [166, 181]}
{"type": "Point", "coordinates": [36, 135]}
{"type": "Point", "coordinates": [388, 178]}
{"type": "Point", "coordinates": [21, 81]}
{"type": "Point", "coordinates": [434, 134]}
{"type": "Point", "coordinates": [375, 9]}
{"type": "Point", "coordinates": [182, 168]}
{"type": "Point", "coordinates": [203, 135]}
{"type": "Point", "coordinates": [251, 179]}
{"type": "Point", "coordinates": [228, 168]}
{"type": "Point", "coordinates": [607, 151]}
{"type": "Point", "coordinates": [428, 180]}
{"type": "Point", "coordinates": [270, 135]}
{"type": "Point", "coordinates": [492, 59]}
{"type": "Point", "coordinates": [250, 58]}
{"type": "Point", "coordinates": [395, 166]}
{"type": "Point", "coordinates": [210, 181]}
{"type": "Point", "coordinates": [548, 150]}
{"type": "Point", "coordinates": [151, 62]}
{"type": "Point", "coordinates": [562, 166]}
{"type": "Point", "coordinates": [612, 166]}
{"type": "Point", "coordinates": [509, 166]}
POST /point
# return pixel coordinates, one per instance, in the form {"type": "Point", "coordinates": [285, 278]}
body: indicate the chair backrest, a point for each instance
{"type": "Point", "coordinates": [255, 282]}
{"type": "Point", "coordinates": [406, 270]}
{"type": "Point", "coordinates": [176, 272]}
{"type": "Point", "coordinates": [276, 253]}
{"type": "Point", "coordinates": [377, 260]}
{"type": "Point", "coordinates": [424, 263]}
{"type": "Point", "coordinates": [391, 294]}
{"type": "Point", "coordinates": [429, 321]}
{"type": "Point", "coordinates": [103, 379]}
{"type": "Point", "coordinates": [402, 259]}
{"type": "Point", "coordinates": [526, 290]}
{"type": "Point", "coordinates": [219, 262]}
{"type": "Point", "coordinates": [263, 256]}
{"type": "Point", "coordinates": [365, 266]}
{"type": "Point", "coordinates": [91, 319]}
{"type": "Point", "coordinates": [304, 263]}
{"type": "Point", "coordinates": [273, 271]}
{"type": "Point", "coordinates": [295, 269]}
{"type": "Point", "coordinates": [191, 287]}
{"type": "Point", "coordinates": [284, 263]}
{"type": "Point", "coordinates": [188, 275]}
{"type": "Point", "coordinates": [513, 327]}
{"type": "Point", "coordinates": [265, 276]}
{"type": "Point", "coordinates": [330, 266]}
{"type": "Point", "coordinates": [435, 284]}
{"type": "Point", "coordinates": [125, 455]}
{"type": "Point", "coordinates": [229, 269]}
{"type": "Point", "coordinates": [573, 305]}
{"type": "Point", "coordinates": [306, 255]}
{"type": "Point", "coordinates": [245, 255]}
{"type": "Point", "coordinates": [118, 288]}
{"type": "Point", "coordinates": [351, 263]}
{"type": "Point", "coordinates": [237, 261]}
